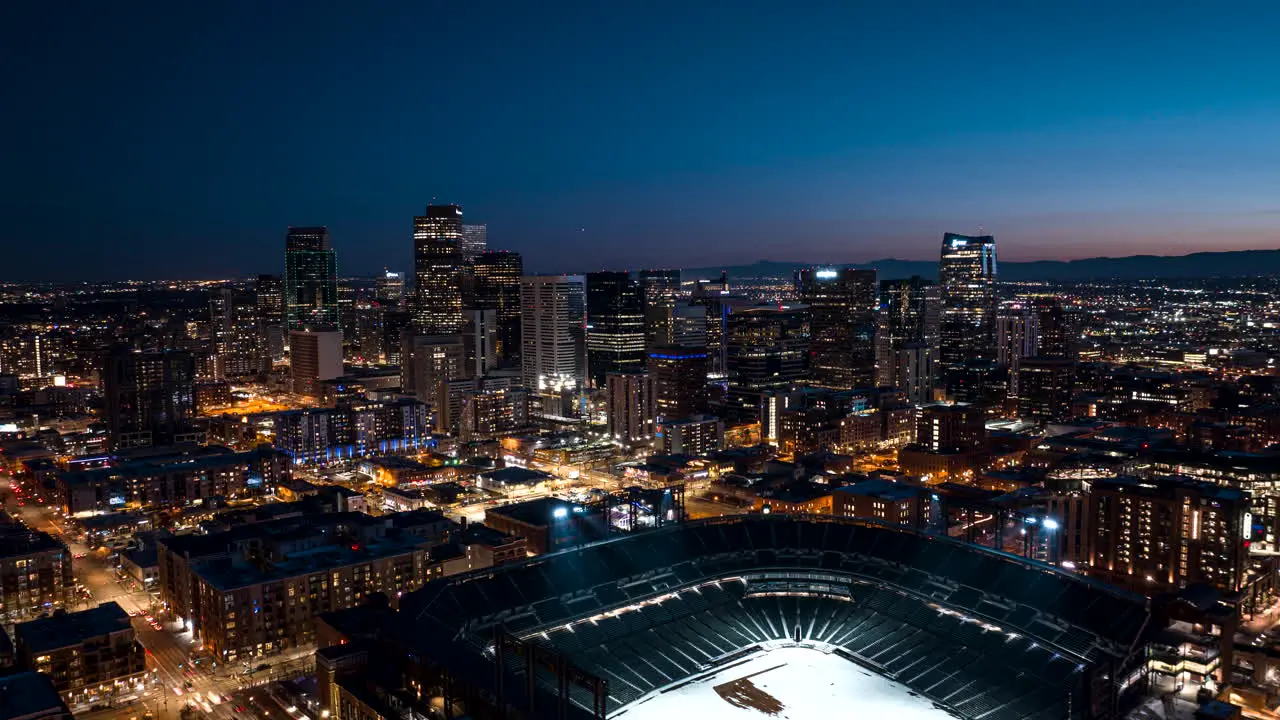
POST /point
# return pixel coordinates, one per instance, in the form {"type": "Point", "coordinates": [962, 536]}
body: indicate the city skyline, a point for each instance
{"type": "Point", "coordinates": [1094, 148]}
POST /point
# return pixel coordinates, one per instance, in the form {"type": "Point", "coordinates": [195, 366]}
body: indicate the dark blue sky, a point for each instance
{"type": "Point", "coordinates": [179, 143]}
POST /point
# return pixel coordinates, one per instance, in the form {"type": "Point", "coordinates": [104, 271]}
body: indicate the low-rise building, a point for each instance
{"type": "Point", "coordinates": [547, 524]}
{"type": "Point", "coordinates": [697, 435]}
{"type": "Point", "coordinates": [91, 656]}
{"type": "Point", "coordinates": [35, 572]}
{"type": "Point", "coordinates": [31, 696]}
{"type": "Point", "coordinates": [255, 589]}
{"type": "Point", "coordinates": [179, 479]}
{"type": "Point", "coordinates": [884, 500]}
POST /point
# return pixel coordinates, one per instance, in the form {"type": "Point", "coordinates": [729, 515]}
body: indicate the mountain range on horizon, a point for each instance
{"type": "Point", "coordinates": [1230, 263]}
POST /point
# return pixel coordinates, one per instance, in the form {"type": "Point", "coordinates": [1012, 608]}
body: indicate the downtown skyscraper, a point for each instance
{"type": "Point", "coordinates": [310, 279]}
{"type": "Point", "coordinates": [553, 358]}
{"type": "Point", "coordinates": [842, 325]}
{"type": "Point", "coordinates": [438, 271]}
{"type": "Point", "coordinates": [907, 337]}
{"type": "Point", "coordinates": [475, 240]}
{"type": "Point", "coordinates": [615, 325]}
{"type": "Point", "coordinates": [497, 287]}
{"type": "Point", "coordinates": [967, 275]}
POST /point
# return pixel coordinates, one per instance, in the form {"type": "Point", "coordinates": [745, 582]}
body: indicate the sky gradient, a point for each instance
{"type": "Point", "coordinates": [179, 140]}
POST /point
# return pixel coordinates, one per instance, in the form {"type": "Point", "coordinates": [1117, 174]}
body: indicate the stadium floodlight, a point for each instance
{"type": "Point", "coordinates": [1050, 524]}
{"type": "Point", "coordinates": [560, 513]}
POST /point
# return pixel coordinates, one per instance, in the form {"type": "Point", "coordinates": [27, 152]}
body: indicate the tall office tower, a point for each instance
{"type": "Point", "coordinates": [497, 287]}
{"type": "Point", "coordinates": [767, 348]}
{"type": "Point", "coordinates": [370, 338]}
{"type": "Point", "coordinates": [475, 241]}
{"type": "Point", "coordinates": [907, 336]}
{"type": "Point", "coordinates": [660, 288]}
{"type": "Point", "coordinates": [271, 327]}
{"type": "Point", "coordinates": [615, 325]}
{"type": "Point", "coordinates": [1017, 337]}
{"type": "Point", "coordinates": [148, 397]}
{"type": "Point", "coordinates": [678, 322]}
{"type": "Point", "coordinates": [310, 279]}
{"type": "Point", "coordinates": [1045, 387]}
{"type": "Point", "coordinates": [480, 335]}
{"type": "Point", "coordinates": [395, 325]}
{"type": "Point", "coordinates": [659, 285]}
{"type": "Point", "coordinates": [842, 325]}
{"type": "Point", "coordinates": [680, 381]}
{"type": "Point", "coordinates": [1057, 328]}
{"type": "Point", "coordinates": [438, 271]}
{"type": "Point", "coordinates": [631, 409]}
{"type": "Point", "coordinates": [967, 274]}
{"type": "Point", "coordinates": [347, 298]}
{"type": "Point", "coordinates": [233, 326]}
{"type": "Point", "coordinates": [719, 307]}
{"type": "Point", "coordinates": [553, 357]}
{"type": "Point", "coordinates": [390, 289]}
{"type": "Point", "coordinates": [314, 356]}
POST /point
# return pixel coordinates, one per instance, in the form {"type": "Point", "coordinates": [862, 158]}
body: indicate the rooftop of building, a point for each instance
{"type": "Point", "coordinates": [536, 513]}
{"type": "Point", "coordinates": [155, 465]}
{"type": "Point", "coordinates": [17, 540]}
{"type": "Point", "coordinates": [882, 489]}
{"type": "Point", "coordinates": [69, 629]}
{"type": "Point", "coordinates": [215, 543]}
{"type": "Point", "coordinates": [801, 491]}
{"type": "Point", "coordinates": [1169, 484]}
{"type": "Point", "coordinates": [515, 476]}
{"type": "Point", "coordinates": [225, 574]}
{"type": "Point", "coordinates": [477, 534]}
{"type": "Point", "coordinates": [394, 462]}
{"type": "Point", "coordinates": [30, 695]}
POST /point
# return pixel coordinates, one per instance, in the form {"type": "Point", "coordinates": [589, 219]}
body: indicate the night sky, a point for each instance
{"type": "Point", "coordinates": [142, 143]}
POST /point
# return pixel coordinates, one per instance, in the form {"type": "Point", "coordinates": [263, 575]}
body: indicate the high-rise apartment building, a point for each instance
{"type": "Point", "coordinates": [1160, 534]}
{"type": "Point", "coordinates": [475, 241]}
{"type": "Point", "coordinates": [553, 357]}
{"type": "Point", "coordinates": [615, 325]}
{"type": "Point", "coordinates": [680, 381]}
{"type": "Point", "coordinates": [438, 271]}
{"type": "Point", "coordinates": [907, 337]}
{"type": "Point", "coordinates": [148, 397]}
{"type": "Point", "coordinates": [430, 361]}
{"type": "Point", "coordinates": [967, 275]}
{"type": "Point", "coordinates": [234, 330]}
{"type": "Point", "coordinates": [310, 279]}
{"type": "Point", "coordinates": [767, 348]}
{"type": "Point", "coordinates": [842, 325]}
{"type": "Point", "coordinates": [631, 409]}
{"type": "Point", "coordinates": [497, 287]}
{"type": "Point", "coordinates": [1017, 334]}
